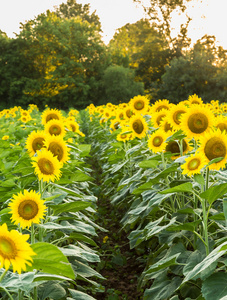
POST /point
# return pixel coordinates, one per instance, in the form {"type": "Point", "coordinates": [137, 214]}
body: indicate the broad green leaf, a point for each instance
{"type": "Point", "coordinates": [69, 191]}
{"type": "Point", "coordinates": [215, 287]}
{"type": "Point", "coordinates": [51, 260]}
{"type": "Point", "coordinates": [143, 187]}
{"type": "Point", "coordinates": [51, 291]}
{"type": "Point", "coordinates": [45, 276]}
{"type": "Point", "coordinates": [81, 237]}
{"type": "Point", "coordinates": [214, 192]}
{"type": "Point", "coordinates": [163, 263]}
{"type": "Point", "coordinates": [148, 164]}
{"type": "Point", "coordinates": [80, 176]}
{"type": "Point", "coordinates": [225, 208]}
{"type": "Point", "coordinates": [80, 295]}
{"type": "Point", "coordinates": [185, 226]}
{"type": "Point", "coordinates": [84, 270]}
{"type": "Point", "coordinates": [85, 149]}
{"type": "Point", "coordinates": [184, 187]}
{"type": "Point", "coordinates": [163, 289]}
{"type": "Point", "coordinates": [163, 174]}
{"type": "Point", "coordinates": [199, 179]}
{"type": "Point", "coordinates": [14, 281]}
{"type": "Point", "coordinates": [206, 262]}
{"type": "Point", "coordinates": [73, 250]}
{"type": "Point", "coordinates": [70, 207]}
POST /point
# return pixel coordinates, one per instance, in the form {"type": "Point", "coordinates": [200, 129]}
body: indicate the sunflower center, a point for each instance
{"type": "Point", "coordinates": [7, 248]}
{"type": "Point", "coordinates": [28, 209]}
{"type": "Point", "coordinates": [222, 126]}
{"type": "Point", "coordinates": [54, 129]}
{"type": "Point", "coordinates": [194, 164]}
{"type": "Point", "coordinates": [157, 141]}
{"type": "Point", "coordinates": [37, 144]}
{"type": "Point", "coordinates": [139, 104]}
{"type": "Point", "coordinates": [51, 117]}
{"type": "Point", "coordinates": [129, 113]}
{"type": "Point", "coordinates": [57, 150]}
{"type": "Point", "coordinates": [173, 147]}
{"type": "Point", "coordinates": [177, 115]}
{"type": "Point", "coordinates": [198, 122]}
{"type": "Point", "coordinates": [138, 126]}
{"type": "Point", "coordinates": [214, 148]}
{"type": "Point", "coordinates": [46, 166]}
{"type": "Point", "coordinates": [162, 107]}
{"type": "Point", "coordinates": [159, 119]}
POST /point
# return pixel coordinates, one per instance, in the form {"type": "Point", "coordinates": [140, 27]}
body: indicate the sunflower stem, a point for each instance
{"type": "Point", "coordinates": [3, 275]}
{"type": "Point", "coordinates": [32, 234]}
{"type": "Point", "coordinates": [35, 293]}
{"type": "Point", "coordinates": [8, 294]}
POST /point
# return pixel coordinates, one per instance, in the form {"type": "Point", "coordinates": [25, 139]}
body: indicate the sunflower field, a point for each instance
{"type": "Point", "coordinates": [113, 202]}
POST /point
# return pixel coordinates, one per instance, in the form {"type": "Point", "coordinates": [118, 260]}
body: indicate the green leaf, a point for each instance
{"type": "Point", "coordinates": [51, 291]}
{"type": "Point", "coordinates": [148, 164]}
{"type": "Point", "coordinates": [80, 295]}
{"type": "Point", "coordinates": [206, 262]}
{"type": "Point", "coordinates": [163, 263]}
{"type": "Point", "coordinates": [225, 208]}
{"type": "Point", "coordinates": [143, 187]}
{"type": "Point", "coordinates": [199, 179]}
{"type": "Point", "coordinates": [214, 192]}
{"type": "Point", "coordinates": [184, 187]}
{"type": "Point", "coordinates": [215, 287]}
{"type": "Point", "coordinates": [70, 207]}
{"type": "Point", "coordinates": [51, 260]}
{"type": "Point", "coordinates": [163, 289]}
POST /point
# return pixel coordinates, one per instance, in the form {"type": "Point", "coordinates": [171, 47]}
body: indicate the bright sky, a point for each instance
{"type": "Point", "coordinates": [114, 14]}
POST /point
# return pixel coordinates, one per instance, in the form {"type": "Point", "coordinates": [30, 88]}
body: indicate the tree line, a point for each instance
{"type": "Point", "coordinates": [59, 59]}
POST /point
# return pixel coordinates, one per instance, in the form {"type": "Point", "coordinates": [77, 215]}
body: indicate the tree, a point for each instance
{"type": "Point", "coordinates": [69, 58]}
{"type": "Point", "coordinates": [201, 71]}
{"type": "Point", "coordinates": [160, 14]}
{"type": "Point", "coordinates": [146, 48]}
{"type": "Point", "coordinates": [119, 84]}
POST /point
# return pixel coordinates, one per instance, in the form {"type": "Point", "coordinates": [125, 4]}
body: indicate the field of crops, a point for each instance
{"type": "Point", "coordinates": [114, 202]}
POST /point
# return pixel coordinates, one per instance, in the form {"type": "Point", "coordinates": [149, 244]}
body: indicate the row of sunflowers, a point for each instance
{"type": "Point", "coordinates": [164, 166]}
{"type": "Point", "coordinates": [47, 228]}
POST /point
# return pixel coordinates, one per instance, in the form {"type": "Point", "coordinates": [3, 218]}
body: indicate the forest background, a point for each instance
{"type": "Point", "coordinates": [59, 59]}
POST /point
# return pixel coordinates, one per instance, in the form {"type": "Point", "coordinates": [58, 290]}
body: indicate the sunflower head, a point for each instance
{"type": "Point", "coordinates": [27, 208]}
{"type": "Point", "coordinates": [160, 105]}
{"type": "Point", "coordinates": [158, 117]}
{"type": "Point", "coordinates": [35, 141]}
{"type": "Point", "coordinates": [173, 146]}
{"type": "Point", "coordinates": [197, 121]}
{"type": "Point", "coordinates": [58, 147]}
{"type": "Point", "coordinates": [51, 114]}
{"type": "Point", "coordinates": [214, 145]}
{"type": "Point", "coordinates": [194, 99]}
{"type": "Point", "coordinates": [14, 250]}
{"type": "Point", "coordinates": [157, 141]}
{"type": "Point", "coordinates": [139, 104]}
{"type": "Point", "coordinates": [193, 164]}
{"type": "Point", "coordinates": [47, 166]}
{"type": "Point", "coordinates": [55, 127]}
{"type": "Point", "coordinates": [174, 115]}
{"type": "Point", "coordinates": [138, 126]}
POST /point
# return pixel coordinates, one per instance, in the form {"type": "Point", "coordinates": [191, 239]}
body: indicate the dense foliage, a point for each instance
{"type": "Point", "coordinates": [59, 58]}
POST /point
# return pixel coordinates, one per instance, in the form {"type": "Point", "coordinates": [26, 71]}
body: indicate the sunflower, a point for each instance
{"type": "Point", "coordinates": [14, 250]}
{"type": "Point", "coordinates": [139, 104]}
{"type": "Point", "coordinates": [25, 119]}
{"type": "Point", "coordinates": [46, 165]}
{"type": "Point", "coordinates": [138, 126]}
{"type": "Point", "coordinates": [35, 141]}
{"type": "Point", "coordinates": [27, 208]}
{"type": "Point", "coordinates": [51, 114]}
{"type": "Point", "coordinates": [166, 125]}
{"type": "Point", "coordinates": [160, 105]}
{"type": "Point", "coordinates": [193, 164]}
{"type": "Point", "coordinates": [157, 141]}
{"type": "Point", "coordinates": [196, 121]}
{"type": "Point", "coordinates": [125, 135]}
{"type": "Point", "coordinates": [158, 117]}
{"type": "Point", "coordinates": [55, 127]}
{"type": "Point", "coordinates": [174, 115]}
{"type": "Point", "coordinates": [194, 99]}
{"type": "Point", "coordinates": [213, 145]}
{"type": "Point", "coordinates": [174, 147]}
{"type": "Point", "coordinates": [221, 122]}
{"type": "Point", "coordinates": [58, 147]}
{"type": "Point", "coordinates": [128, 112]}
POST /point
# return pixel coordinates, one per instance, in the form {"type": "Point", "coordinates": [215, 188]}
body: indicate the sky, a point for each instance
{"type": "Point", "coordinates": [208, 17]}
